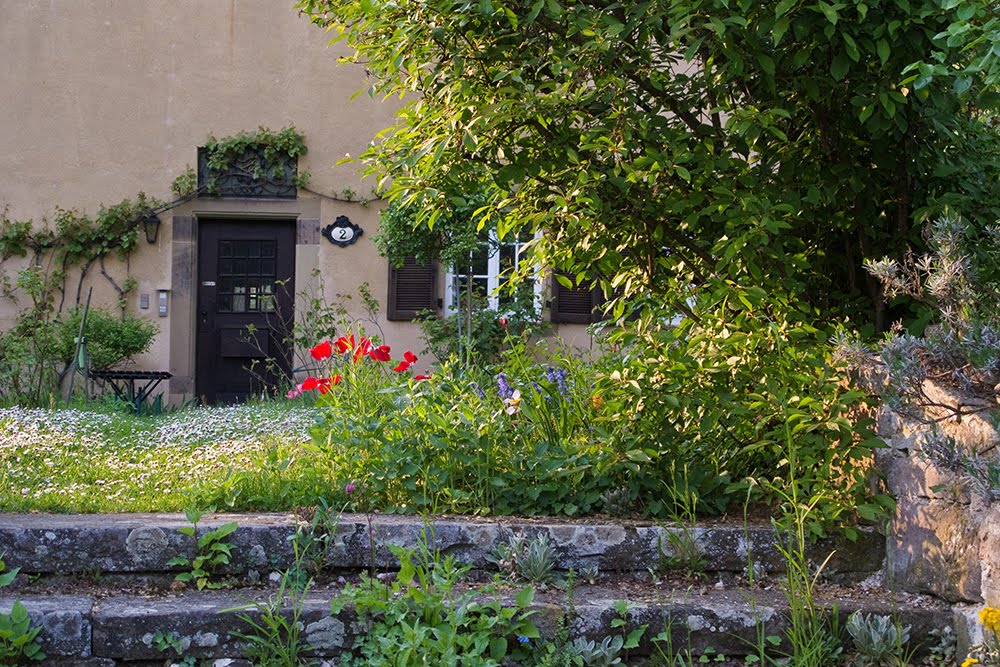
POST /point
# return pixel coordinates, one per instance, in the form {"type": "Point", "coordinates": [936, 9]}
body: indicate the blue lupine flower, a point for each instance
{"type": "Point", "coordinates": [505, 390]}
{"type": "Point", "coordinates": [561, 382]}
{"type": "Point", "coordinates": [479, 390]}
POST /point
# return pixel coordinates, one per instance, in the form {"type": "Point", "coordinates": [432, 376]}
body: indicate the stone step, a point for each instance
{"type": "Point", "coordinates": [100, 586]}
{"type": "Point", "coordinates": [120, 630]}
{"type": "Point", "coordinates": [142, 544]}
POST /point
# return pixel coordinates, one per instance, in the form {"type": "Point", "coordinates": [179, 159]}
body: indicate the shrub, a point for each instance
{"type": "Point", "coordinates": [425, 617]}
{"type": "Point", "coordinates": [513, 443]}
{"type": "Point", "coordinates": [111, 339]}
{"type": "Point", "coordinates": [711, 397]}
{"type": "Point", "coordinates": [484, 333]}
{"type": "Point", "coordinates": [35, 355]}
{"type": "Point", "coordinates": [697, 414]}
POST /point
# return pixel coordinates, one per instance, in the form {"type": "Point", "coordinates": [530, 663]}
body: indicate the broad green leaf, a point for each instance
{"type": "Point", "coordinates": [829, 11]}
{"type": "Point", "coordinates": [851, 47]}
{"type": "Point", "coordinates": [766, 63]}
{"type": "Point", "coordinates": [779, 29]}
{"type": "Point", "coordinates": [783, 7]}
{"type": "Point", "coordinates": [883, 50]}
{"type": "Point", "coordinates": [498, 648]}
{"type": "Point", "coordinates": [638, 456]}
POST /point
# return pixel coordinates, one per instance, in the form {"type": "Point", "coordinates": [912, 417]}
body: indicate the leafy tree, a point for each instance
{"type": "Point", "coordinates": [665, 145]}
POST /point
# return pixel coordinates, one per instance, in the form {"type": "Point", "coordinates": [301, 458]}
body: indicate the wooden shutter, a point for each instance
{"type": "Point", "coordinates": [576, 305]}
{"type": "Point", "coordinates": [412, 288]}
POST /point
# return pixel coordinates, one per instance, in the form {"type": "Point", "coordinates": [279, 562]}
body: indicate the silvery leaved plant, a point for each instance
{"type": "Point", "coordinates": [962, 348]}
{"type": "Point", "coordinates": [878, 639]}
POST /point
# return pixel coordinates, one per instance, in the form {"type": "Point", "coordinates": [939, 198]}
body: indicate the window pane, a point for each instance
{"type": "Point", "coordinates": [246, 276]}
{"type": "Point", "coordinates": [480, 262]}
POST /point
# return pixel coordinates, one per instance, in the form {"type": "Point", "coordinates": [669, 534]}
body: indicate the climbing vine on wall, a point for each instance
{"type": "Point", "coordinates": [76, 239]}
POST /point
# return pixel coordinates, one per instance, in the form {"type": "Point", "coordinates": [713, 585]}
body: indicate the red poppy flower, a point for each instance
{"type": "Point", "coordinates": [321, 351]}
{"type": "Point", "coordinates": [421, 377]}
{"type": "Point", "coordinates": [380, 353]}
{"type": "Point", "coordinates": [311, 383]}
{"type": "Point", "coordinates": [323, 384]}
{"type": "Point", "coordinates": [410, 357]}
{"type": "Point", "coordinates": [345, 343]}
{"type": "Point", "coordinates": [401, 366]}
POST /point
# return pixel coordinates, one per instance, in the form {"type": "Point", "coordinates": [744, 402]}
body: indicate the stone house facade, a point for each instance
{"type": "Point", "coordinates": [107, 99]}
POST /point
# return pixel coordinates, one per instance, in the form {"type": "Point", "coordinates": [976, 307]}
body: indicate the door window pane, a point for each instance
{"type": "Point", "coordinates": [246, 276]}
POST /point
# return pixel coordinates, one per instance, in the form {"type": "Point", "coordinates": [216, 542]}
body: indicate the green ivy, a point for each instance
{"type": "Point", "coordinates": [278, 148]}
{"type": "Point", "coordinates": [186, 184]}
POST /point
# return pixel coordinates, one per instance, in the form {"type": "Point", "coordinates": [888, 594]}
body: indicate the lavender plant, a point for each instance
{"type": "Point", "coordinates": [962, 348]}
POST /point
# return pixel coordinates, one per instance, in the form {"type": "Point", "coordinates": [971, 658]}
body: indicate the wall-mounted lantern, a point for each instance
{"type": "Point", "coordinates": [151, 225]}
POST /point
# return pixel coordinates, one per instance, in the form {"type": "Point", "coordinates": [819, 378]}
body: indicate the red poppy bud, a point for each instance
{"type": "Point", "coordinates": [421, 377]}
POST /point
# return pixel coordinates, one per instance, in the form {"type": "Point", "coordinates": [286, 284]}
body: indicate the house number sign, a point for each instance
{"type": "Point", "coordinates": [342, 231]}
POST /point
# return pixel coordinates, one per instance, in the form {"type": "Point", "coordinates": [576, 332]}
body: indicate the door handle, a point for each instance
{"type": "Point", "coordinates": [204, 316]}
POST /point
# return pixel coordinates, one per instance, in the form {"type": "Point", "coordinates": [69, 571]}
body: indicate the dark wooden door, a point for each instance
{"type": "Point", "coordinates": [246, 272]}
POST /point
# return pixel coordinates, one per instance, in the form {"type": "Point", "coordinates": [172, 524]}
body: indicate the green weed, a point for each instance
{"type": "Point", "coordinates": [212, 551]}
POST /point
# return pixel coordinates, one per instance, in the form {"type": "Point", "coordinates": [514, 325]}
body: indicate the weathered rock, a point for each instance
{"type": "Point", "coordinates": [65, 621]}
{"type": "Point", "coordinates": [203, 624]}
{"type": "Point", "coordinates": [120, 629]}
{"type": "Point", "coordinates": [989, 555]}
{"type": "Point", "coordinates": [131, 543]}
{"type": "Point", "coordinates": [910, 477]}
{"type": "Point", "coordinates": [934, 549]}
{"type": "Point", "coordinates": [945, 541]}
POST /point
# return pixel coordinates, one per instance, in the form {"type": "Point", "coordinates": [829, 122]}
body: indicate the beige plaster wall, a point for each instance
{"type": "Point", "coordinates": [104, 98]}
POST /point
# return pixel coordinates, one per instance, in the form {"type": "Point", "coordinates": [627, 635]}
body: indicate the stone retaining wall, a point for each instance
{"type": "Point", "coordinates": [943, 540]}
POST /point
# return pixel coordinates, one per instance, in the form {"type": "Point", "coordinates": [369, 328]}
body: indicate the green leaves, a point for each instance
{"type": "Point", "coordinates": [424, 617]}
{"type": "Point", "coordinates": [212, 551]}
{"type": "Point", "coordinates": [18, 639]}
{"type": "Point", "coordinates": [564, 118]}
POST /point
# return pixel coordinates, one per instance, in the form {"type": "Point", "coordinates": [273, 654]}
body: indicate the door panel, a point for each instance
{"type": "Point", "coordinates": [246, 285]}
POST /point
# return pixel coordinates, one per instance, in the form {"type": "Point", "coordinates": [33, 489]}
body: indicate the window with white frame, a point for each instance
{"type": "Point", "coordinates": [490, 269]}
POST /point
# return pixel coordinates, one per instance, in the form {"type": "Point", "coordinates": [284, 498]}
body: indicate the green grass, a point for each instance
{"type": "Point", "coordinates": [75, 460]}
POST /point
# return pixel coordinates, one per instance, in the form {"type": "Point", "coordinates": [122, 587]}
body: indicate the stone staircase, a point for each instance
{"type": "Point", "coordinates": [101, 589]}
